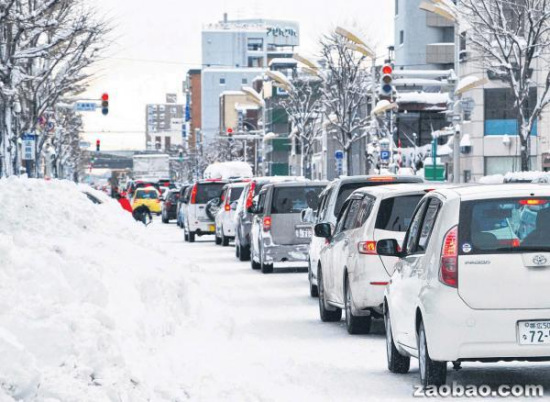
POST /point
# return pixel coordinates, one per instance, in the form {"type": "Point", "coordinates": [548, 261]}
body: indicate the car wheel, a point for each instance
{"type": "Point", "coordinates": [237, 252]}
{"type": "Point", "coordinates": [191, 237]}
{"type": "Point", "coordinates": [326, 314]}
{"type": "Point", "coordinates": [254, 264]}
{"type": "Point", "coordinates": [431, 372]}
{"type": "Point", "coordinates": [313, 289]}
{"type": "Point", "coordinates": [244, 252]}
{"type": "Point", "coordinates": [164, 219]}
{"type": "Point", "coordinates": [397, 363]}
{"type": "Point", "coordinates": [266, 268]}
{"type": "Point", "coordinates": [218, 240]}
{"type": "Point", "coordinates": [354, 324]}
{"type": "Point", "coordinates": [225, 240]}
{"type": "Point", "coordinates": [185, 237]}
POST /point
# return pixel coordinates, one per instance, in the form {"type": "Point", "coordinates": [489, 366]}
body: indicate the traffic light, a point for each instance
{"type": "Point", "coordinates": [240, 121]}
{"type": "Point", "coordinates": [230, 132]}
{"type": "Point", "coordinates": [98, 145]}
{"type": "Point", "coordinates": [105, 104]}
{"type": "Point", "coordinates": [386, 87]}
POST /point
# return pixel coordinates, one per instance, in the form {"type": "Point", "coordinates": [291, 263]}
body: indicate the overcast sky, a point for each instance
{"type": "Point", "coordinates": [156, 42]}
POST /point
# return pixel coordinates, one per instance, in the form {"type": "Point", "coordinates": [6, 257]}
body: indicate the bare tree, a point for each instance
{"type": "Point", "coordinates": [346, 92]}
{"type": "Point", "coordinates": [512, 38]}
{"type": "Point", "coordinates": [304, 106]}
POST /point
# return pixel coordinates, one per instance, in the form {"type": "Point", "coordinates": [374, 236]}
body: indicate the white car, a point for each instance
{"type": "Point", "coordinates": [331, 201]}
{"type": "Point", "coordinates": [351, 275]}
{"type": "Point", "coordinates": [472, 280]}
{"type": "Point", "coordinates": [225, 225]}
{"type": "Point", "coordinates": [201, 209]}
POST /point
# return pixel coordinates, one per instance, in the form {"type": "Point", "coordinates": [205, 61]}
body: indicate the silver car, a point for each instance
{"type": "Point", "coordinates": [278, 234]}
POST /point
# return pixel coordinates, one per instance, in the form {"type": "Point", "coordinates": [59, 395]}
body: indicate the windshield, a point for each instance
{"type": "Point", "coordinates": [293, 200]}
{"type": "Point", "coordinates": [395, 213]}
{"type": "Point", "coordinates": [209, 191]}
{"type": "Point", "coordinates": [505, 226]}
{"type": "Point", "coordinates": [147, 195]}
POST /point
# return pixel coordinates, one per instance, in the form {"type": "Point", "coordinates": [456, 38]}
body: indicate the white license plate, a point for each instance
{"type": "Point", "coordinates": [303, 233]}
{"type": "Point", "coordinates": [534, 332]}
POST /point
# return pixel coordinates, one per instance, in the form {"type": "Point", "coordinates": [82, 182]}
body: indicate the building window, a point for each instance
{"type": "Point", "coordinates": [396, 7]}
{"type": "Point", "coordinates": [245, 81]}
{"type": "Point", "coordinates": [255, 44]}
{"type": "Point", "coordinates": [222, 81]}
{"type": "Point", "coordinates": [167, 143]}
{"type": "Point", "coordinates": [500, 111]}
{"type": "Point", "coordinates": [255, 62]}
{"type": "Point", "coordinates": [401, 37]}
{"type": "Point", "coordinates": [158, 142]}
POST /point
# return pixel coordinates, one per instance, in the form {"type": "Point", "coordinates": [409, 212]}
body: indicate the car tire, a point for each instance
{"type": "Point", "coordinates": [431, 372]}
{"type": "Point", "coordinates": [164, 219]}
{"type": "Point", "coordinates": [354, 324]}
{"type": "Point", "coordinates": [225, 240]}
{"type": "Point", "coordinates": [238, 252]}
{"type": "Point", "coordinates": [244, 253]}
{"type": "Point", "coordinates": [218, 240]}
{"type": "Point", "coordinates": [191, 237]}
{"type": "Point", "coordinates": [397, 363]}
{"type": "Point", "coordinates": [326, 314]}
{"type": "Point", "coordinates": [185, 237]}
{"type": "Point", "coordinates": [266, 268]}
{"type": "Point", "coordinates": [313, 289]}
{"type": "Point", "coordinates": [255, 265]}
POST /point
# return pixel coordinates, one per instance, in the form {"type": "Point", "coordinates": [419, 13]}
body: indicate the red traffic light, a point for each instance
{"type": "Point", "coordinates": [98, 145]}
{"type": "Point", "coordinates": [105, 97]}
{"type": "Point", "coordinates": [387, 69]}
{"type": "Point", "coordinates": [229, 131]}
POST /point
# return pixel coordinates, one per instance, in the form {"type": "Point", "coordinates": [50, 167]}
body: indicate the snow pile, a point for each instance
{"type": "Point", "coordinates": [430, 98]}
{"type": "Point", "coordinates": [493, 179]}
{"type": "Point", "coordinates": [85, 302]}
{"type": "Point", "coordinates": [522, 176]}
{"type": "Point", "coordinates": [227, 170]}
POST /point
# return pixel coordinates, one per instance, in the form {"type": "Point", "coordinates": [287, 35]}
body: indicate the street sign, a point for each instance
{"type": "Point", "coordinates": [339, 155]}
{"type": "Point", "coordinates": [29, 141]}
{"type": "Point", "coordinates": [85, 106]}
{"type": "Point", "coordinates": [468, 104]}
{"type": "Point", "coordinates": [385, 155]}
{"type": "Point", "coordinates": [85, 144]}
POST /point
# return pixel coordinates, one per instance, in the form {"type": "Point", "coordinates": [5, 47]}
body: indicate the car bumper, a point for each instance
{"type": "Point", "coordinates": [274, 253]}
{"type": "Point", "coordinates": [457, 332]}
{"type": "Point", "coordinates": [203, 227]}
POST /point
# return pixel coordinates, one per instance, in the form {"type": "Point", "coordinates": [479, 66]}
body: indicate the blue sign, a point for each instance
{"type": "Point", "coordinates": [385, 155]}
{"type": "Point", "coordinates": [85, 106]}
{"type": "Point", "coordinates": [28, 137]}
{"type": "Point", "coordinates": [339, 155]}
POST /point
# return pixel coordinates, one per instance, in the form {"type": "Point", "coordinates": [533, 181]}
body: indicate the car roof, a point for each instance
{"type": "Point", "coordinates": [375, 178]}
{"type": "Point", "coordinates": [486, 191]}
{"type": "Point", "coordinates": [392, 190]}
{"type": "Point", "coordinates": [322, 184]}
{"type": "Point", "coordinates": [212, 181]}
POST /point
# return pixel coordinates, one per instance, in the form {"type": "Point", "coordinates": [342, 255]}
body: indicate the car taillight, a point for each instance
{"type": "Point", "coordinates": [250, 197]}
{"type": "Point", "coordinates": [194, 194]}
{"type": "Point", "coordinates": [267, 223]}
{"type": "Point", "coordinates": [367, 247]}
{"type": "Point", "coordinates": [227, 207]}
{"type": "Point", "coordinates": [448, 272]}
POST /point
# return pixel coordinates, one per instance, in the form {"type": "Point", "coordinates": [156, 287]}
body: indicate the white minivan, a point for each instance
{"type": "Point", "coordinates": [472, 280]}
{"type": "Point", "coordinates": [351, 275]}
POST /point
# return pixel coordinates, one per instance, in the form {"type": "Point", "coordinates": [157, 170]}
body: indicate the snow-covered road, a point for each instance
{"type": "Point", "coordinates": [259, 337]}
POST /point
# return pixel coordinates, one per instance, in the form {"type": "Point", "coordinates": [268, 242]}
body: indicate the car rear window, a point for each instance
{"type": "Point", "coordinates": [345, 190]}
{"type": "Point", "coordinates": [173, 196]}
{"type": "Point", "coordinates": [293, 200]}
{"type": "Point", "coordinates": [209, 191]}
{"type": "Point", "coordinates": [145, 184]}
{"type": "Point", "coordinates": [236, 193]}
{"type": "Point", "coordinates": [147, 195]}
{"type": "Point", "coordinates": [509, 225]}
{"type": "Point", "coordinates": [395, 213]}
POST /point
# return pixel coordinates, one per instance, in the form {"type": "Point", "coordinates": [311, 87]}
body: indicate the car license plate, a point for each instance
{"type": "Point", "coordinates": [212, 228]}
{"type": "Point", "coordinates": [303, 233]}
{"type": "Point", "coordinates": [534, 332]}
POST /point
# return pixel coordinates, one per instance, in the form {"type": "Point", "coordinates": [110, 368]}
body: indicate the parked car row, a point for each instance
{"type": "Point", "coordinates": [457, 273]}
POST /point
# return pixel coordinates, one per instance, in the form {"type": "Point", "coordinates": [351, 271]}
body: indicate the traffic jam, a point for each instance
{"type": "Point", "coordinates": [456, 274]}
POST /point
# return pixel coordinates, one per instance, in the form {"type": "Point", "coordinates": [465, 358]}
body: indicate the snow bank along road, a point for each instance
{"type": "Point", "coordinates": [266, 342]}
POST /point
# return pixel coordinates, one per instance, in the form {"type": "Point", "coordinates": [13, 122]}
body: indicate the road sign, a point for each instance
{"type": "Point", "coordinates": [29, 145]}
{"type": "Point", "coordinates": [339, 155]}
{"type": "Point", "coordinates": [385, 155]}
{"type": "Point", "coordinates": [85, 106]}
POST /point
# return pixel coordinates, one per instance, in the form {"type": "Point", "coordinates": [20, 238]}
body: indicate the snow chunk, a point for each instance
{"type": "Point", "coordinates": [226, 170]}
{"type": "Point", "coordinates": [423, 97]}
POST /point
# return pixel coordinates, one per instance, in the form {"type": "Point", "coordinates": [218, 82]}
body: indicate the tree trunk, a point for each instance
{"type": "Point", "coordinates": [525, 148]}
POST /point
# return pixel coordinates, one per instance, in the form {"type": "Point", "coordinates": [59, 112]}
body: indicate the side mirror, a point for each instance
{"type": "Point", "coordinates": [323, 230]}
{"type": "Point", "coordinates": [388, 248]}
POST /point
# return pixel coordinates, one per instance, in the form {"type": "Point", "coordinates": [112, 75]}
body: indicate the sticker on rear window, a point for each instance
{"type": "Point", "coordinates": [467, 248]}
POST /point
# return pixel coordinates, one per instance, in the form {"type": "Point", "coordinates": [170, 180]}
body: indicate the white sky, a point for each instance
{"type": "Point", "coordinates": [157, 41]}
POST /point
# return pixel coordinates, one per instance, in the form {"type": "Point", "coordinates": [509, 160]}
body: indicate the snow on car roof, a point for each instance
{"type": "Point", "coordinates": [472, 192]}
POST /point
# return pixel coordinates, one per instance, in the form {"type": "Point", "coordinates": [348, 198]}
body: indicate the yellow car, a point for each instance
{"type": "Point", "coordinates": [150, 197]}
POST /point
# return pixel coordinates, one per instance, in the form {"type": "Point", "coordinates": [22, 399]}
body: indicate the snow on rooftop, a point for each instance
{"type": "Point", "coordinates": [429, 98]}
{"type": "Point", "coordinates": [283, 60]}
{"type": "Point", "coordinates": [226, 170]}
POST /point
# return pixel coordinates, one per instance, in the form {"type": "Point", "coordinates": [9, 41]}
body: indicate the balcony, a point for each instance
{"type": "Point", "coordinates": [440, 53]}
